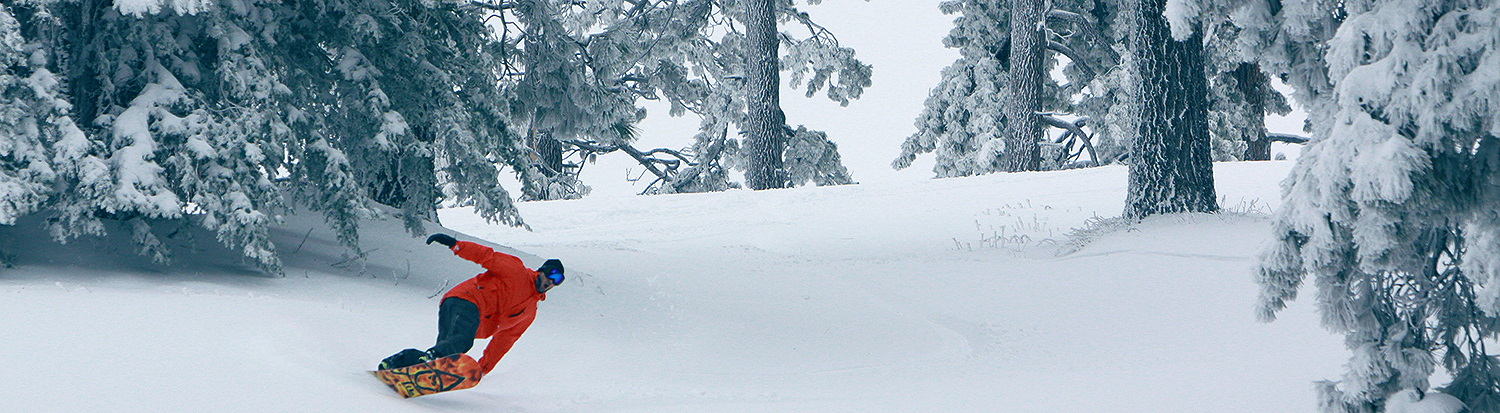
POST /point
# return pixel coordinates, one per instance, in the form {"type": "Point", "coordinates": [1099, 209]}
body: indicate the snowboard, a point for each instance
{"type": "Point", "coordinates": [437, 376]}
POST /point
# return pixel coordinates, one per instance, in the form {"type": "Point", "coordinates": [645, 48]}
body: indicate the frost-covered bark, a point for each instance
{"type": "Point", "coordinates": [1391, 208]}
{"type": "Point", "coordinates": [765, 132]}
{"type": "Point", "coordinates": [1023, 128]}
{"type": "Point", "coordinates": [1170, 166]}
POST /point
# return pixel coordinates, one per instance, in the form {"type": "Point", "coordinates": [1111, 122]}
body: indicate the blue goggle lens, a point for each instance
{"type": "Point", "coordinates": [556, 278]}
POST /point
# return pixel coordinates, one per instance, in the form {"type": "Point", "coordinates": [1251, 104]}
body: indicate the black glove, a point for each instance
{"type": "Point", "coordinates": [442, 239]}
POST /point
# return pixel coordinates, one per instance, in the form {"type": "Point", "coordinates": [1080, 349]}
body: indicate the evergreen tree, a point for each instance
{"type": "Point", "coordinates": [1240, 98]}
{"type": "Point", "coordinates": [695, 55]}
{"type": "Point", "coordinates": [566, 78]}
{"type": "Point", "coordinates": [970, 111]}
{"type": "Point", "coordinates": [207, 113]}
{"type": "Point", "coordinates": [40, 146]}
{"type": "Point", "coordinates": [1391, 207]}
{"type": "Point", "coordinates": [1240, 93]}
{"type": "Point", "coordinates": [970, 119]}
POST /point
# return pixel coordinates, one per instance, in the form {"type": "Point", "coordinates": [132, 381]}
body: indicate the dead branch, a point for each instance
{"type": "Point", "coordinates": [1081, 25]}
{"type": "Point", "coordinates": [1287, 138]}
{"type": "Point", "coordinates": [1075, 128]}
{"type": "Point", "coordinates": [503, 6]}
{"type": "Point", "coordinates": [1078, 61]}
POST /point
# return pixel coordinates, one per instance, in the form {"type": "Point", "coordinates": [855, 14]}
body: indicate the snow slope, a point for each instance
{"type": "Point", "coordinates": [935, 295]}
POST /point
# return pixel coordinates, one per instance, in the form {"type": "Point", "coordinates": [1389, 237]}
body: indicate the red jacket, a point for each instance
{"type": "Point", "coordinates": [505, 294]}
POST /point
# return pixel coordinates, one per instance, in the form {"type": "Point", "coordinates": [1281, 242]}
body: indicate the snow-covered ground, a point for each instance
{"type": "Point", "coordinates": [932, 295]}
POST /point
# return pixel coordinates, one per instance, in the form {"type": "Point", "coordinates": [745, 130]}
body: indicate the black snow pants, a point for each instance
{"type": "Point", "coordinates": [458, 320]}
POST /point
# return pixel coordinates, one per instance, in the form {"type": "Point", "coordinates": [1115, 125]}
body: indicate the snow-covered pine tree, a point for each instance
{"type": "Point", "coordinates": [37, 136]}
{"type": "Point", "coordinates": [1240, 98]}
{"type": "Point", "coordinates": [396, 103]}
{"type": "Point", "coordinates": [965, 122]}
{"type": "Point", "coordinates": [1391, 207]}
{"type": "Point", "coordinates": [811, 157]}
{"type": "Point", "coordinates": [694, 55]}
{"type": "Point", "coordinates": [1240, 93]}
{"type": "Point", "coordinates": [25, 166]}
{"type": "Point", "coordinates": [568, 93]}
{"type": "Point", "coordinates": [207, 112]}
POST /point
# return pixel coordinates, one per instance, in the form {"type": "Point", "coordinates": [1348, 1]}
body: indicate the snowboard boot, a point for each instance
{"type": "Point", "coordinates": [408, 357]}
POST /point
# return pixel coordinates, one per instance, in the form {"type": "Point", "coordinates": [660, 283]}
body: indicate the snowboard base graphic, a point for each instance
{"type": "Point", "coordinates": [437, 376]}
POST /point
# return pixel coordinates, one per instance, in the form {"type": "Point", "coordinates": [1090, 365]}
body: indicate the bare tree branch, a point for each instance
{"type": "Point", "coordinates": [664, 169]}
{"type": "Point", "coordinates": [1075, 128]}
{"type": "Point", "coordinates": [1078, 61]}
{"type": "Point", "coordinates": [503, 6]}
{"type": "Point", "coordinates": [1082, 25]}
{"type": "Point", "coordinates": [1287, 137]}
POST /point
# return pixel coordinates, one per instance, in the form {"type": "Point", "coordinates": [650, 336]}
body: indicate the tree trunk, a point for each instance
{"type": "Point", "coordinates": [1171, 168]}
{"type": "Point", "coordinates": [82, 47]}
{"type": "Point", "coordinates": [1023, 127]}
{"type": "Point", "coordinates": [765, 128]}
{"type": "Point", "coordinates": [1252, 83]}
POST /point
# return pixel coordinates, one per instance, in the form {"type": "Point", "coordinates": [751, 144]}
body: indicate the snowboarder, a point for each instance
{"type": "Point", "coordinates": [499, 303]}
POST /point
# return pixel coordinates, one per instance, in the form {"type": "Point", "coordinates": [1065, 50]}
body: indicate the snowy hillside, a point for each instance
{"type": "Point", "coordinates": [936, 295]}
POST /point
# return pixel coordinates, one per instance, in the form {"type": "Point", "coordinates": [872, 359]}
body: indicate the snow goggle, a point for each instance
{"type": "Point", "coordinates": [555, 277]}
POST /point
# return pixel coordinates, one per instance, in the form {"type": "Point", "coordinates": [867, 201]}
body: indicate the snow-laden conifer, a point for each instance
{"type": "Point", "coordinates": [27, 133]}
{"type": "Point", "coordinates": [1240, 93]}
{"type": "Point", "coordinates": [963, 122]}
{"type": "Point", "coordinates": [693, 54]}
{"type": "Point", "coordinates": [212, 113]}
{"type": "Point", "coordinates": [966, 119]}
{"type": "Point", "coordinates": [1391, 208]}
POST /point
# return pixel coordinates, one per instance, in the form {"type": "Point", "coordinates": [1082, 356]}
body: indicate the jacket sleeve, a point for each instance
{"type": "Point", "coordinates": [486, 257]}
{"type": "Point", "coordinates": [504, 339]}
